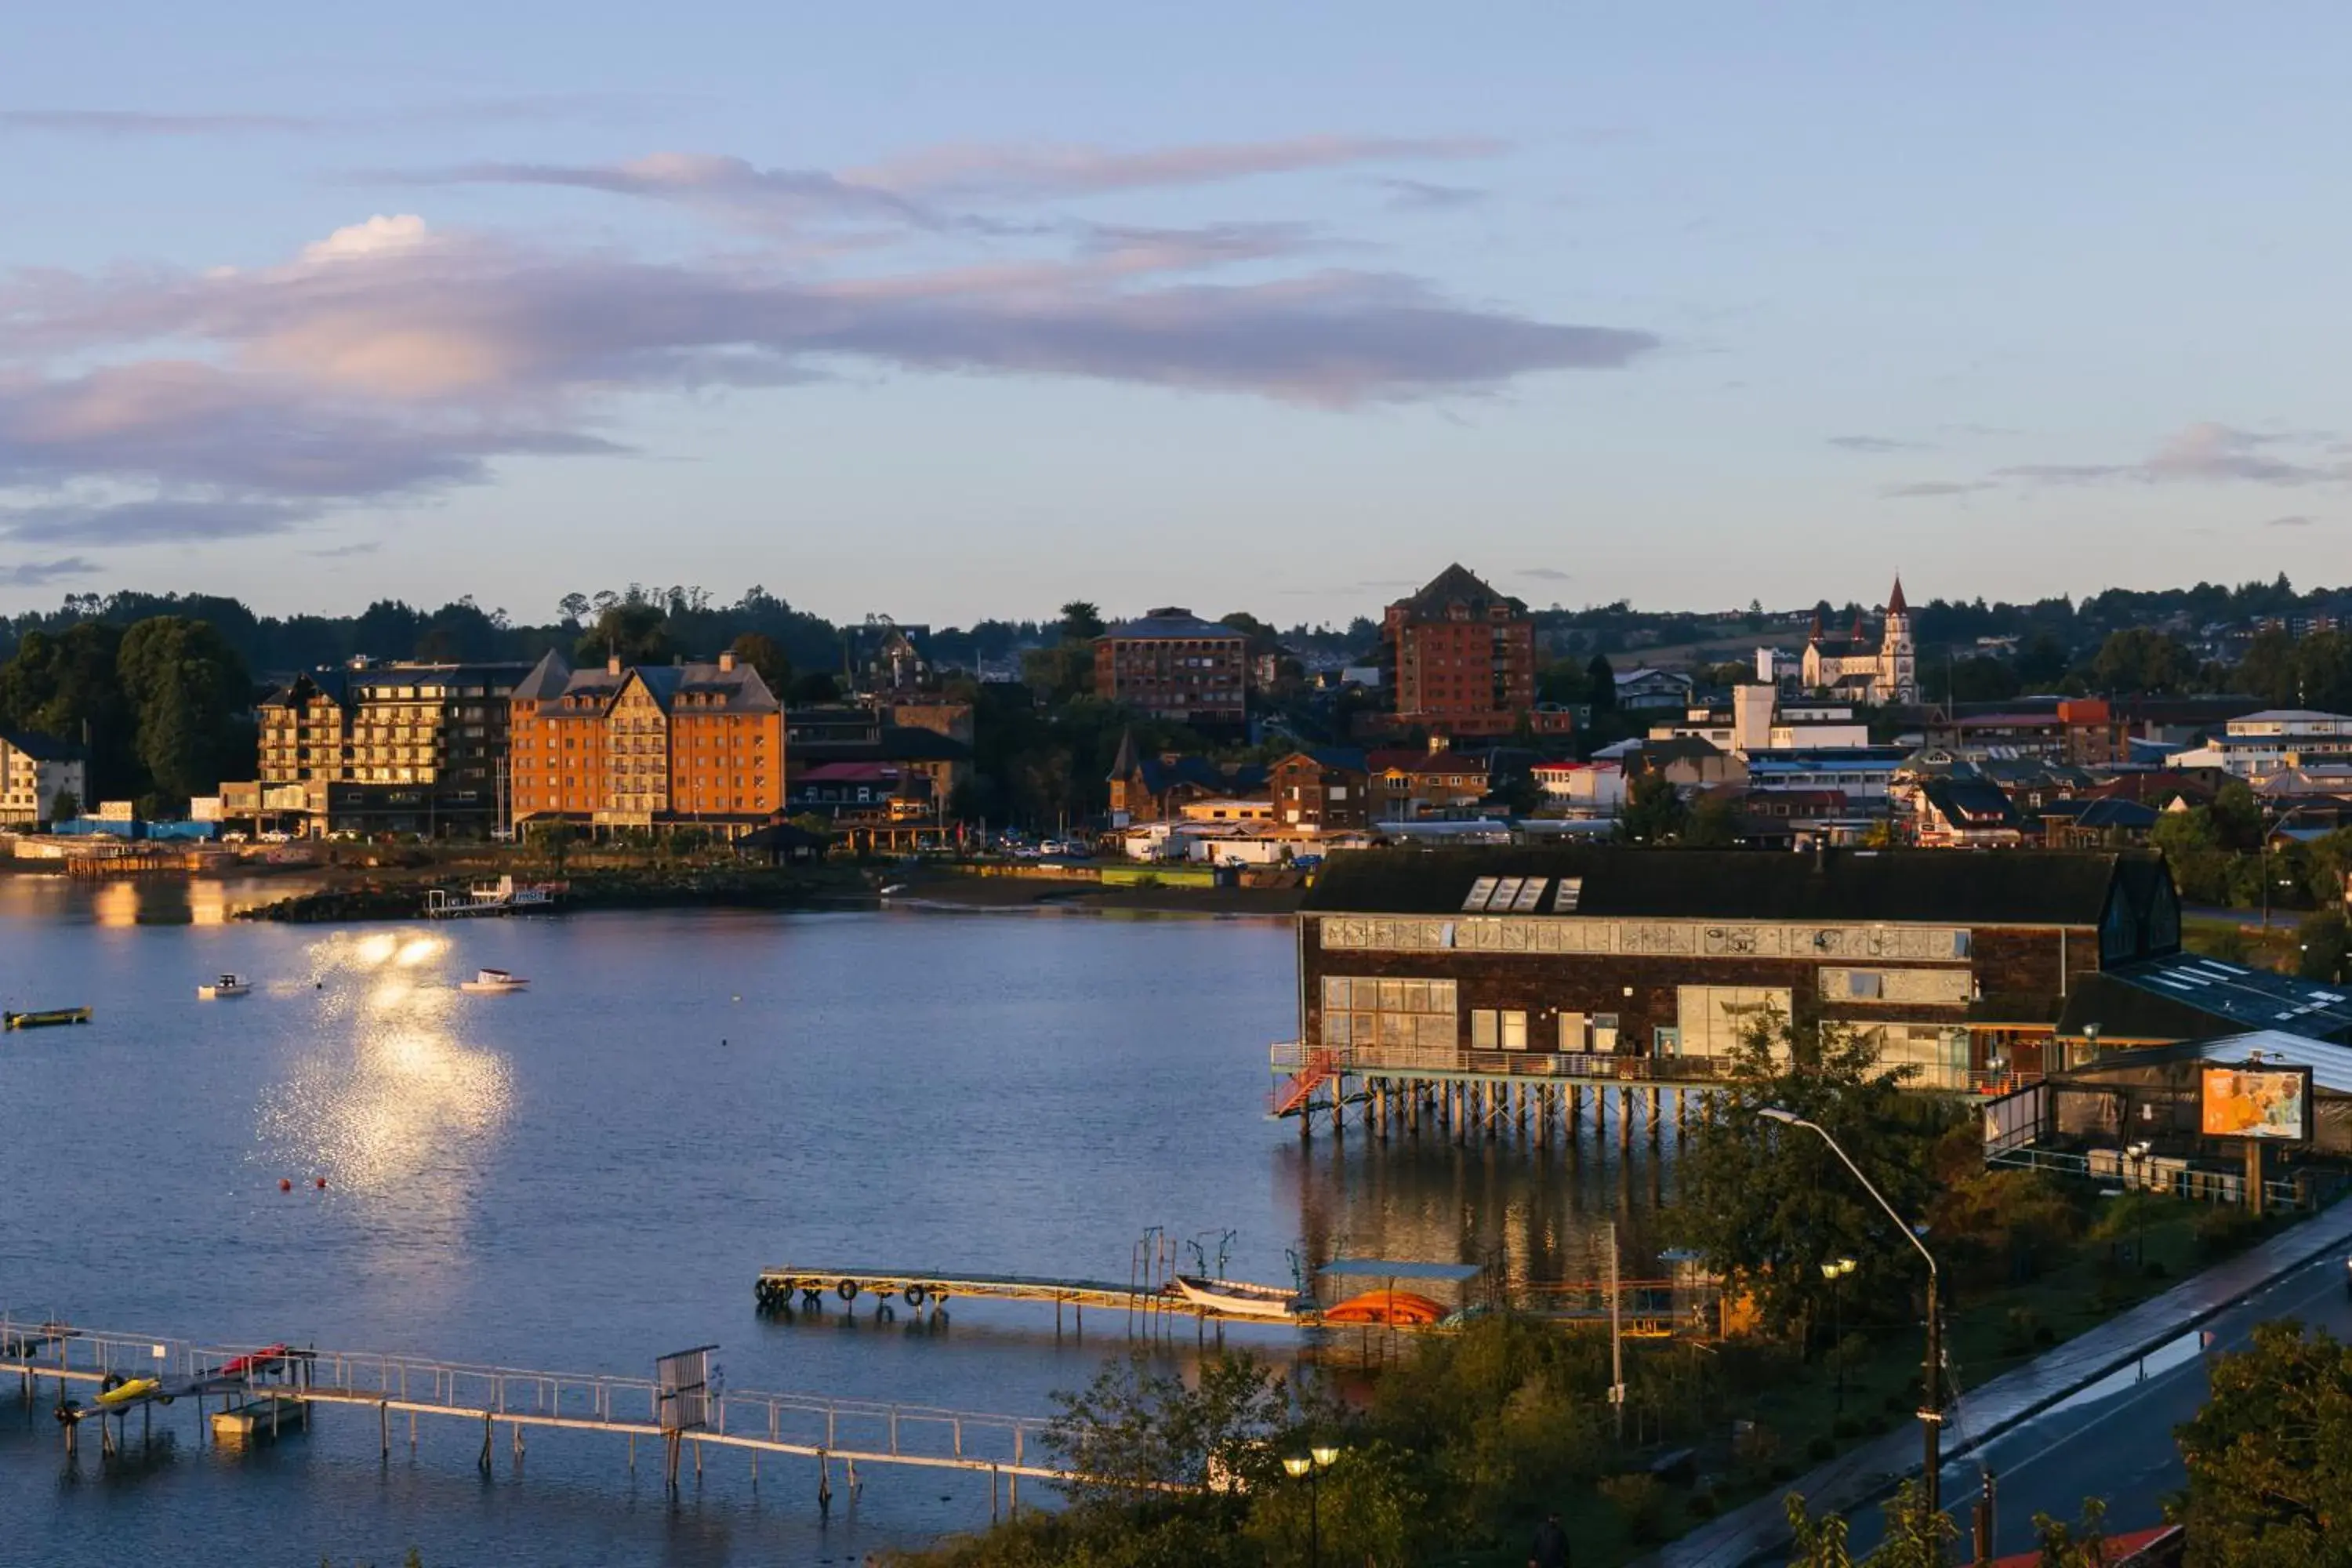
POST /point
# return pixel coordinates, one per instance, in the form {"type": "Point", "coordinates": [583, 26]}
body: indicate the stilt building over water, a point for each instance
{"type": "Point", "coordinates": [1504, 986]}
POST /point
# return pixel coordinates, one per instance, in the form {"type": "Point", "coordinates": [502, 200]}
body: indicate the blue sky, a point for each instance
{"type": "Point", "coordinates": [944, 311]}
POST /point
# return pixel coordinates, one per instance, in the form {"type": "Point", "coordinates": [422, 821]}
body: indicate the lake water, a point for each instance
{"type": "Point", "coordinates": [585, 1175]}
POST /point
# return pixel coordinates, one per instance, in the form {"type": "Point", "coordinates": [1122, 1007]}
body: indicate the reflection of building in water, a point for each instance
{"type": "Point", "coordinates": [1528, 1215]}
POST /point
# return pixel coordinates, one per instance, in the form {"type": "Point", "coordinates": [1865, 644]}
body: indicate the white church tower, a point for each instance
{"type": "Point", "coordinates": [1898, 656]}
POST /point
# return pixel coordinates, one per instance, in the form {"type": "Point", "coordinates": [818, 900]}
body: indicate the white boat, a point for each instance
{"type": "Point", "coordinates": [493, 980]}
{"type": "Point", "coordinates": [893, 890]}
{"type": "Point", "coordinates": [1240, 1299]}
{"type": "Point", "coordinates": [227, 985]}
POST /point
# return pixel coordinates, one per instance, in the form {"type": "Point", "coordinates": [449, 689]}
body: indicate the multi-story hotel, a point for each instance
{"type": "Point", "coordinates": [33, 771]}
{"type": "Point", "coordinates": [648, 745]}
{"type": "Point", "coordinates": [387, 748]}
{"type": "Point", "coordinates": [1175, 665]}
{"type": "Point", "coordinates": [1464, 657]}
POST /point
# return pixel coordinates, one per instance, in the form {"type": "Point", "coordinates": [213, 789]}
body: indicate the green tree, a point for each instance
{"type": "Point", "coordinates": [2041, 662]}
{"type": "Point", "coordinates": [66, 806]}
{"type": "Point", "coordinates": [190, 696]}
{"type": "Point", "coordinates": [1601, 684]}
{"type": "Point", "coordinates": [1081, 621]}
{"type": "Point", "coordinates": [2237, 818]}
{"type": "Point", "coordinates": [1370, 1508]}
{"type": "Point", "coordinates": [762, 653]}
{"type": "Point", "coordinates": [635, 631]}
{"type": "Point", "coordinates": [2268, 669]}
{"type": "Point", "coordinates": [2269, 1455]}
{"type": "Point", "coordinates": [68, 687]}
{"type": "Point", "coordinates": [1139, 1427]}
{"type": "Point", "coordinates": [1713, 824]}
{"type": "Point", "coordinates": [1768, 1203]}
{"type": "Point", "coordinates": [1564, 682]}
{"type": "Point", "coordinates": [2081, 1544]}
{"type": "Point", "coordinates": [1653, 812]}
{"type": "Point", "coordinates": [2138, 661]}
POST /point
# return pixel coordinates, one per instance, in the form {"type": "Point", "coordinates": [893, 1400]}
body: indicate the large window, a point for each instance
{"type": "Point", "coordinates": [1711, 1019]}
{"type": "Point", "coordinates": [1401, 1020]}
{"type": "Point", "coordinates": [1493, 1030]}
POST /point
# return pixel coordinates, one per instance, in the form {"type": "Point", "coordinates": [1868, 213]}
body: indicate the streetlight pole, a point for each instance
{"type": "Point", "coordinates": [1310, 1465]}
{"type": "Point", "coordinates": [1836, 1271]}
{"type": "Point", "coordinates": [1931, 1405]}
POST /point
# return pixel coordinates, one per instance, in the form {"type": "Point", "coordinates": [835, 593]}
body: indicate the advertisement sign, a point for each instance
{"type": "Point", "coordinates": [2268, 1102]}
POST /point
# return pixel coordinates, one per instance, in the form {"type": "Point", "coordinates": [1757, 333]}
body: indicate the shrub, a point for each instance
{"type": "Point", "coordinates": [1821, 1449]}
{"type": "Point", "coordinates": [2045, 1336]}
{"type": "Point", "coordinates": [1845, 1426]}
{"type": "Point", "coordinates": [1702, 1505]}
{"type": "Point", "coordinates": [1641, 1503]}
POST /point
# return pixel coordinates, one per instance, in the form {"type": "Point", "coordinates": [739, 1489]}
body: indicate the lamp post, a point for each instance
{"type": "Point", "coordinates": [1931, 1406]}
{"type": "Point", "coordinates": [1834, 1271]}
{"type": "Point", "coordinates": [2140, 1153]}
{"type": "Point", "coordinates": [1309, 1465]}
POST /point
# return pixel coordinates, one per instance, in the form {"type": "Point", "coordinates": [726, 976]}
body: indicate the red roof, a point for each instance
{"type": "Point", "coordinates": [1894, 605]}
{"type": "Point", "coordinates": [2122, 1551]}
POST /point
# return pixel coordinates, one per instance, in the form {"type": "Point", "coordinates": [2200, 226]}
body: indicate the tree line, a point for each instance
{"type": "Point", "coordinates": [162, 708]}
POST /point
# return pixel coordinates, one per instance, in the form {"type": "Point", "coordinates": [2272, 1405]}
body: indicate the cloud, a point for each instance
{"type": "Point", "coordinates": [2199, 453]}
{"type": "Point", "coordinates": [344, 552]}
{"type": "Point", "coordinates": [1546, 573]}
{"type": "Point", "coordinates": [119, 123]}
{"type": "Point", "coordinates": [390, 360]}
{"type": "Point", "coordinates": [1927, 488]}
{"type": "Point", "coordinates": [2297, 519]}
{"type": "Point", "coordinates": [1876, 444]}
{"type": "Point", "coordinates": [697, 179]}
{"type": "Point", "coordinates": [1424, 196]}
{"type": "Point", "coordinates": [37, 574]}
{"type": "Point", "coordinates": [1039, 173]}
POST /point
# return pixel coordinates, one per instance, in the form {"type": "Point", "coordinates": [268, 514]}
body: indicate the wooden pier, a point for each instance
{"type": "Point", "coordinates": [286, 1388]}
{"type": "Point", "coordinates": [1538, 1095]}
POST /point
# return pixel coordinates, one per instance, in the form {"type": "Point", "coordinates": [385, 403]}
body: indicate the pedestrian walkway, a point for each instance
{"type": "Point", "coordinates": [1855, 1476]}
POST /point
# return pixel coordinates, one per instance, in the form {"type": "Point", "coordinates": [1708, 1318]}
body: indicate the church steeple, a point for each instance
{"type": "Point", "coordinates": [1894, 605]}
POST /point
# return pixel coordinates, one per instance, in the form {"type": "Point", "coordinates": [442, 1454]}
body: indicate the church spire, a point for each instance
{"type": "Point", "coordinates": [1894, 605]}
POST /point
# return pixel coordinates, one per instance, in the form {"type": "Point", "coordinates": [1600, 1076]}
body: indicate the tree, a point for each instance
{"type": "Point", "coordinates": [2041, 662]}
{"type": "Point", "coordinates": [1081, 622]}
{"type": "Point", "coordinates": [1562, 682]}
{"type": "Point", "coordinates": [1767, 1204]}
{"type": "Point", "coordinates": [68, 687]}
{"type": "Point", "coordinates": [2269, 1455]}
{"type": "Point", "coordinates": [2236, 817]}
{"type": "Point", "coordinates": [1601, 684]}
{"type": "Point", "coordinates": [66, 806]}
{"type": "Point", "coordinates": [762, 653]}
{"type": "Point", "coordinates": [815, 688]}
{"type": "Point", "coordinates": [1713, 824]}
{"type": "Point", "coordinates": [631, 630]}
{"type": "Point", "coordinates": [2138, 661]}
{"type": "Point", "coordinates": [189, 693]}
{"type": "Point", "coordinates": [1136, 1426]}
{"type": "Point", "coordinates": [2082, 1544]}
{"type": "Point", "coordinates": [574, 607]}
{"type": "Point", "coordinates": [1653, 811]}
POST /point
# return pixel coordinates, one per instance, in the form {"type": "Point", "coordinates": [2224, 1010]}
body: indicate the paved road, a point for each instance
{"type": "Point", "coordinates": [2115, 1439]}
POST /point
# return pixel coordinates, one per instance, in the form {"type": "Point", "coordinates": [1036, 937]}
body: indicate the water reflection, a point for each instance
{"type": "Point", "coordinates": [398, 1102]}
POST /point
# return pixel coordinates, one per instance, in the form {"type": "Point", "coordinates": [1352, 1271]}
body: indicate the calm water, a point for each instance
{"type": "Point", "coordinates": [587, 1174]}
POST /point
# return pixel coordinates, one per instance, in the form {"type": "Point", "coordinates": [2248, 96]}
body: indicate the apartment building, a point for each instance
{"type": "Point", "coordinates": [1175, 665]}
{"type": "Point", "coordinates": [652, 746]}
{"type": "Point", "coordinates": [1464, 655]}
{"type": "Point", "coordinates": [388, 747]}
{"type": "Point", "coordinates": [33, 771]}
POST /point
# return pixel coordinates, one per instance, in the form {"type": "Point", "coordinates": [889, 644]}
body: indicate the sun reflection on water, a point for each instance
{"type": "Point", "coordinates": [395, 1099]}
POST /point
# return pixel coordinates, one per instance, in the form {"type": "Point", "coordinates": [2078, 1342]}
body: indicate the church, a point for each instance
{"type": "Point", "coordinates": [1886, 674]}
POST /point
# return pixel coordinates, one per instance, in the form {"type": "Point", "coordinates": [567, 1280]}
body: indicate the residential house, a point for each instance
{"type": "Point", "coordinates": [1582, 789]}
{"type": "Point", "coordinates": [398, 747]}
{"type": "Point", "coordinates": [35, 770]}
{"type": "Point", "coordinates": [887, 659]}
{"type": "Point", "coordinates": [1173, 665]}
{"type": "Point", "coordinates": [1964, 814]}
{"type": "Point", "coordinates": [1464, 657]}
{"type": "Point", "coordinates": [2090, 822]}
{"type": "Point", "coordinates": [1686, 762]}
{"type": "Point", "coordinates": [648, 746]}
{"type": "Point", "coordinates": [1155, 788]}
{"type": "Point", "coordinates": [1646, 689]}
{"type": "Point", "coordinates": [1322, 790]}
{"type": "Point", "coordinates": [1434, 781]}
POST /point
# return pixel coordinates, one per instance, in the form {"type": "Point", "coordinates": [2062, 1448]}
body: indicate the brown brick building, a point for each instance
{"type": "Point", "coordinates": [1626, 963]}
{"type": "Point", "coordinates": [1464, 656]}
{"type": "Point", "coordinates": [1325, 791]}
{"type": "Point", "coordinates": [648, 745]}
{"type": "Point", "coordinates": [1175, 665]}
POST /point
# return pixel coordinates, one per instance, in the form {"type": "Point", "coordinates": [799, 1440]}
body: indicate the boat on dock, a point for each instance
{"type": "Point", "coordinates": [492, 982]}
{"type": "Point", "coordinates": [504, 897]}
{"type": "Point", "coordinates": [1390, 1308]}
{"type": "Point", "coordinates": [45, 1019]}
{"type": "Point", "coordinates": [1240, 1299]}
{"type": "Point", "coordinates": [252, 1361]}
{"type": "Point", "coordinates": [227, 986]}
{"type": "Point", "coordinates": [129, 1391]}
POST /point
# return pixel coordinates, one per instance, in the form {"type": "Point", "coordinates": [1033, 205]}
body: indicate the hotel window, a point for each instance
{"type": "Point", "coordinates": [1497, 1030]}
{"type": "Point", "coordinates": [1388, 1016]}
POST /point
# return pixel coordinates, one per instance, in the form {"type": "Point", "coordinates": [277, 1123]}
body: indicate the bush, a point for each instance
{"type": "Point", "coordinates": [1702, 1505]}
{"type": "Point", "coordinates": [2045, 1336]}
{"type": "Point", "coordinates": [1844, 1427]}
{"type": "Point", "coordinates": [2222, 1231]}
{"type": "Point", "coordinates": [1821, 1449]}
{"type": "Point", "coordinates": [1641, 1503]}
{"type": "Point", "coordinates": [2017, 1338]}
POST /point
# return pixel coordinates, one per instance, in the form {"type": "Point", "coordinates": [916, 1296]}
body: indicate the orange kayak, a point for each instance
{"type": "Point", "coordinates": [1393, 1307]}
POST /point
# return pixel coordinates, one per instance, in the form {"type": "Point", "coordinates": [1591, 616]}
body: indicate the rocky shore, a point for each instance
{"type": "Point", "coordinates": [401, 899]}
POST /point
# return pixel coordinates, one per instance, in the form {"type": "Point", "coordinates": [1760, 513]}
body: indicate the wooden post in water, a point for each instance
{"type": "Point", "coordinates": [1654, 1114]}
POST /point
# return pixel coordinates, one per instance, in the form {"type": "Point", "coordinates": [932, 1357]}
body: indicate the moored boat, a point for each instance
{"type": "Point", "coordinates": [1394, 1309]}
{"type": "Point", "coordinates": [1239, 1298]}
{"type": "Point", "coordinates": [127, 1391]}
{"type": "Point", "coordinates": [42, 1020]}
{"type": "Point", "coordinates": [247, 1364]}
{"type": "Point", "coordinates": [227, 985]}
{"type": "Point", "coordinates": [493, 980]}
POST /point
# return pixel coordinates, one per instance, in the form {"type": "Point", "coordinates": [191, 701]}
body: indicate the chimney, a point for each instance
{"type": "Point", "coordinates": [613, 665]}
{"type": "Point", "coordinates": [726, 661]}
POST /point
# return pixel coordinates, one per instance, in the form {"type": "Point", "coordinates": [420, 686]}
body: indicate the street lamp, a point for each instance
{"type": "Point", "coordinates": [1931, 1408]}
{"type": "Point", "coordinates": [1308, 1466]}
{"type": "Point", "coordinates": [2140, 1153]}
{"type": "Point", "coordinates": [1834, 1271]}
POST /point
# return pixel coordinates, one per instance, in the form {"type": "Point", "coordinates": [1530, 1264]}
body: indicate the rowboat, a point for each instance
{"type": "Point", "coordinates": [227, 985]}
{"type": "Point", "coordinates": [44, 1019]}
{"type": "Point", "coordinates": [493, 980]}
{"type": "Point", "coordinates": [255, 1361]}
{"type": "Point", "coordinates": [1239, 1299]}
{"type": "Point", "coordinates": [1394, 1309]}
{"type": "Point", "coordinates": [128, 1390]}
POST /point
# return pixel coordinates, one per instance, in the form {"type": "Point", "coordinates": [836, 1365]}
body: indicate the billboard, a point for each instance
{"type": "Point", "coordinates": [2271, 1102]}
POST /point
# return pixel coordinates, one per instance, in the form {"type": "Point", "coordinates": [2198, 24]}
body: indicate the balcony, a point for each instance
{"type": "Point", "coordinates": [1288, 1058]}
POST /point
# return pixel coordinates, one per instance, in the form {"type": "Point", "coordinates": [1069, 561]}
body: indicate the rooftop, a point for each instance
{"type": "Point", "coordinates": [1173, 621]}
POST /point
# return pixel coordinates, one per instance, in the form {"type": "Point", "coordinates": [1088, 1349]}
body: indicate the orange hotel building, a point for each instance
{"type": "Point", "coordinates": [658, 746]}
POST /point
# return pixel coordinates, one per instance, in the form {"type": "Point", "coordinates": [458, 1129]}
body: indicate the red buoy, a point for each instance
{"type": "Point", "coordinates": [322, 1183]}
{"type": "Point", "coordinates": [284, 1185]}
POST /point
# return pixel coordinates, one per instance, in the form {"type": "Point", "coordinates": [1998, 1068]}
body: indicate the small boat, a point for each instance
{"type": "Point", "coordinates": [493, 980]}
{"type": "Point", "coordinates": [1240, 1299]}
{"type": "Point", "coordinates": [227, 985]}
{"type": "Point", "coordinates": [128, 1390]}
{"type": "Point", "coordinates": [44, 1019]}
{"type": "Point", "coordinates": [1394, 1309]}
{"type": "Point", "coordinates": [893, 890]}
{"type": "Point", "coordinates": [257, 1361]}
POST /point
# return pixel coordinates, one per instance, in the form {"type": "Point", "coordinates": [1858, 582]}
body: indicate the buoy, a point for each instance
{"type": "Point", "coordinates": [322, 1183]}
{"type": "Point", "coordinates": [285, 1185]}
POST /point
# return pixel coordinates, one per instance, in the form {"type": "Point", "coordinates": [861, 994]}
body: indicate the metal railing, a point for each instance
{"type": "Point", "coordinates": [1288, 1057]}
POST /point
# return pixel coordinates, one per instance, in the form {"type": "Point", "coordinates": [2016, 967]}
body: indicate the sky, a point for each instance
{"type": "Point", "coordinates": [945, 311]}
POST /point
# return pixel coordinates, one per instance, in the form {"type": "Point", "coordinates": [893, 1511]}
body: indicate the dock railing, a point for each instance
{"type": "Point", "coordinates": [1290, 1058]}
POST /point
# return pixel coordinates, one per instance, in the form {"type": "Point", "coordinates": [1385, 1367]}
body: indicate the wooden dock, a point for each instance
{"type": "Point", "coordinates": [286, 1389]}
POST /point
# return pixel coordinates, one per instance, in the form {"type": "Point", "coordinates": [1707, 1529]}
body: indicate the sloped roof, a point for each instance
{"type": "Point", "coordinates": [1931, 887]}
{"type": "Point", "coordinates": [1172, 621]}
{"type": "Point", "coordinates": [1970, 803]}
{"type": "Point", "coordinates": [1457, 585]}
{"type": "Point", "coordinates": [40, 748]}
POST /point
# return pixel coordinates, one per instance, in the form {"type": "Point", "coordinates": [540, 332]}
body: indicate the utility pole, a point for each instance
{"type": "Point", "coordinates": [1616, 1338]}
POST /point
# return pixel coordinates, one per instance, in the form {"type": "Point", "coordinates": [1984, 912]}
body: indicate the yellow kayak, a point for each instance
{"type": "Point", "coordinates": [125, 1391]}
